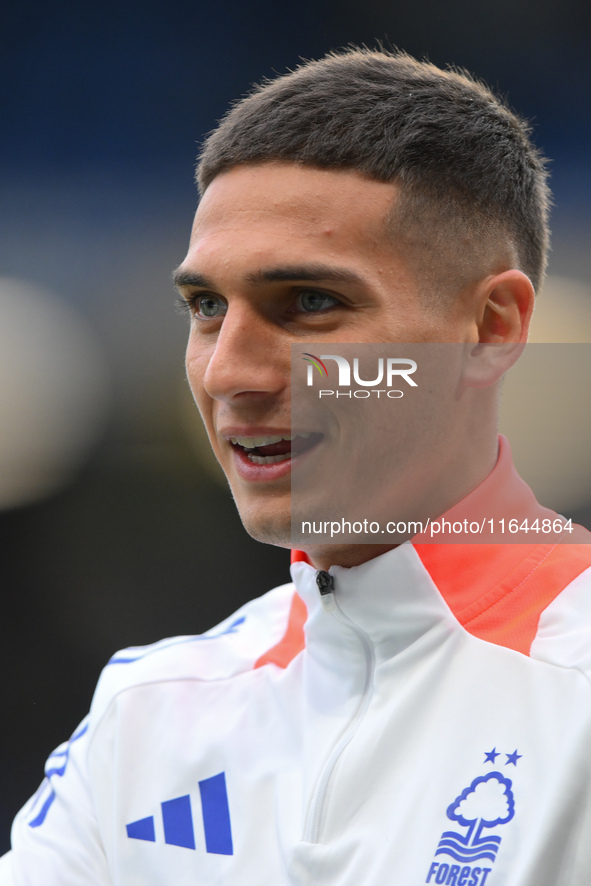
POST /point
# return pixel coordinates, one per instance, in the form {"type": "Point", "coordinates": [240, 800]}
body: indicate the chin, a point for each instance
{"type": "Point", "coordinates": [271, 529]}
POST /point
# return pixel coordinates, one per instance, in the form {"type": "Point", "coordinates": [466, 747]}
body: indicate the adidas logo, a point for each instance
{"type": "Point", "coordinates": [177, 819]}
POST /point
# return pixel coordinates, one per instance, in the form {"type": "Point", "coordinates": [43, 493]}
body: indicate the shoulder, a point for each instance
{"type": "Point", "coordinates": [231, 648]}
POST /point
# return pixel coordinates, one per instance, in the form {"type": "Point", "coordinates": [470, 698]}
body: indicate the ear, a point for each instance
{"type": "Point", "coordinates": [485, 364]}
{"type": "Point", "coordinates": [505, 307]}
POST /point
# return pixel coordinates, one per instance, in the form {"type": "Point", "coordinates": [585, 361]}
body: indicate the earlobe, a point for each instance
{"type": "Point", "coordinates": [487, 362]}
{"type": "Point", "coordinates": [505, 308]}
{"type": "Point", "coordinates": [507, 302]}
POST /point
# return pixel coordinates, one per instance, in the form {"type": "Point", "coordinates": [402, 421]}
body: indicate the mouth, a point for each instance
{"type": "Point", "coordinates": [272, 449]}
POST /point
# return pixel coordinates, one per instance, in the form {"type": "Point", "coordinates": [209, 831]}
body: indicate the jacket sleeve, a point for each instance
{"type": "Point", "coordinates": [55, 837]}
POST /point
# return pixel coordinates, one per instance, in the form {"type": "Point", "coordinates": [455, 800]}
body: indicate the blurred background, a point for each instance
{"type": "Point", "coordinates": [115, 529]}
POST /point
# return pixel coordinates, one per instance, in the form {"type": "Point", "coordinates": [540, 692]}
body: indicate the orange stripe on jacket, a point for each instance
{"type": "Point", "coordinates": [498, 592]}
{"type": "Point", "coordinates": [292, 642]}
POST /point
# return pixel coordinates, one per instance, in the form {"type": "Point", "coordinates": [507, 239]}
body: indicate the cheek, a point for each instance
{"type": "Point", "coordinates": [196, 366]}
{"type": "Point", "coordinates": [196, 361]}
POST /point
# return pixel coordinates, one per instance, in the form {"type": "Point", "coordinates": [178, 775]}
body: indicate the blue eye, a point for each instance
{"type": "Point", "coordinates": [311, 301]}
{"type": "Point", "coordinates": [209, 306]}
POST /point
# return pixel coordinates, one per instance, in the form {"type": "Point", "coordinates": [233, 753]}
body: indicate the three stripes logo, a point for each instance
{"type": "Point", "coordinates": [178, 823]}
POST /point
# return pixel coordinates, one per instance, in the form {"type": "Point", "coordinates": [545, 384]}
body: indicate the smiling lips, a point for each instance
{"type": "Point", "coordinates": [270, 449]}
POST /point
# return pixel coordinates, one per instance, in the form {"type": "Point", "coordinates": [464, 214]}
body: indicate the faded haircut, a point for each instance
{"type": "Point", "coordinates": [473, 193]}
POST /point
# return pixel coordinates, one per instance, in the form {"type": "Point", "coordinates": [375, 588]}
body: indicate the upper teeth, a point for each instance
{"type": "Point", "coordinates": [253, 442]}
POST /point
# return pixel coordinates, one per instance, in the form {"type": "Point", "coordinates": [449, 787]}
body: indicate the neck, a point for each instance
{"type": "Point", "coordinates": [461, 476]}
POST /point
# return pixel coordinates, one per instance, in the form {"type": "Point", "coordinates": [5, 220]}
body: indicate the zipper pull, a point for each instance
{"type": "Point", "coordinates": [325, 583]}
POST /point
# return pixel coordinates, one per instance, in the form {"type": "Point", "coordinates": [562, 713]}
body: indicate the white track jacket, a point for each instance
{"type": "Point", "coordinates": [425, 720]}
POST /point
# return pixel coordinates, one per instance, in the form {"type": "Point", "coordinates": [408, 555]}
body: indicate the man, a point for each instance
{"type": "Point", "coordinates": [413, 713]}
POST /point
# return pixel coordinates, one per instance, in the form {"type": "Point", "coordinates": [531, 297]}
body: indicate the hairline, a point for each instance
{"type": "Point", "coordinates": [497, 250]}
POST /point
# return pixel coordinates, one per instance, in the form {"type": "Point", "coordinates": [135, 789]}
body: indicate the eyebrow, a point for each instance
{"type": "Point", "coordinates": [284, 273]}
{"type": "Point", "coordinates": [191, 278]}
{"type": "Point", "coordinates": [307, 272]}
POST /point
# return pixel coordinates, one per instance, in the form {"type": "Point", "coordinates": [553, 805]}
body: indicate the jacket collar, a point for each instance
{"type": "Point", "coordinates": [398, 596]}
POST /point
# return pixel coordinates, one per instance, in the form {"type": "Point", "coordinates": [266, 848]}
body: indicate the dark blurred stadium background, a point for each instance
{"type": "Point", "coordinates": [114, 528]}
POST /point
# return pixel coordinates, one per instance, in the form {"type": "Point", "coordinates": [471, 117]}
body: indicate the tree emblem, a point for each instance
{"type": "Point", "coordinates": [487, 802]}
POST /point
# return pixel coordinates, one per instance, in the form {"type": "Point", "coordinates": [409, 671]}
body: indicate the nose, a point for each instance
{"type": "Point", "coordinates": [249, 358]}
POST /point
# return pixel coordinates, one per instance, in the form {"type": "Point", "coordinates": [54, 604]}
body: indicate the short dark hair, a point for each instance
{"type": "Point", "coordinates": [471, 179]}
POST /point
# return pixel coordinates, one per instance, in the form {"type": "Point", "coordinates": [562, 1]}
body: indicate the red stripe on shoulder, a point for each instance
{"type": "Point", "coordinates": [498, 592]}
{"type": "Point", "coordinates": [292, 642]}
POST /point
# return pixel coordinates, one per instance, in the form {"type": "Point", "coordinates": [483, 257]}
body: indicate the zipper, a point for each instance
{"type": "Point", "coordinates": [315, 817]}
